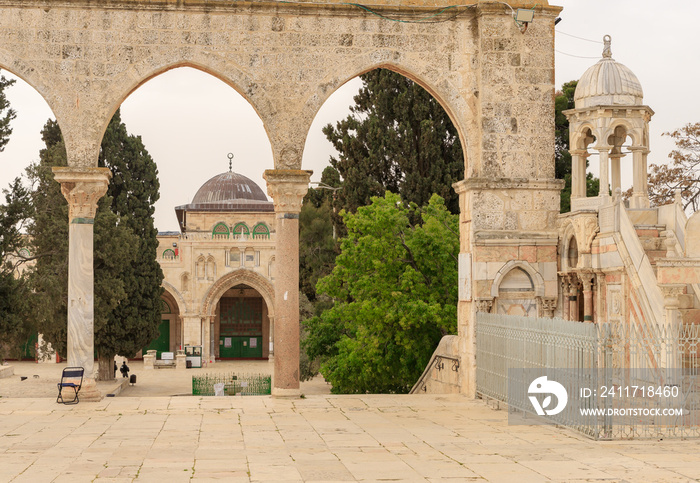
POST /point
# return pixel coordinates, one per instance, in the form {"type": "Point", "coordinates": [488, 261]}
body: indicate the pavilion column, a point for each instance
{"type": "Point", "coordinates": [604, 190]}
{"type": "Point", "coordinates": [573, 298]}
{"type": "Point", "coordinates": [615, 172]}
{"type": "Point", "coordinates": [287, 188]}
{"type": "Point", "coordinates": [82, 188]}
{"type": "Point", "coordinates": [640, 192]}
{"type": "Point", "coordinates": [578, 173]}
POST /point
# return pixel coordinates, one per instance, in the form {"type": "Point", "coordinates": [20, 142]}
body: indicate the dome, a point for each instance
{"type": "Point", "coordinates": [608, 83]}
{"type": "Point", "coordinates": [227, 187]}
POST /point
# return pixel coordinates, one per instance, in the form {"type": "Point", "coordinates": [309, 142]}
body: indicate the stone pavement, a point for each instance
{"type": "Point", "coordinates": [319, 438]}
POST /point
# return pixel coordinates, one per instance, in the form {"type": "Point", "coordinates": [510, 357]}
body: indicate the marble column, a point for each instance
{"type": "Point", "coordinates": [573, 298]}
{"type": "Point", "coordinates": [271, 353]}
{"type": "Point", "coordinates": [82, 187]}
{"type": "Point", "coordinates": [640, 192]}
{"type": "Point", "coordinates": [287, 188]}
{"type": "Point", "coordinates": [578, 173]}
{"type": "Point", "coordinates": [615, 174]}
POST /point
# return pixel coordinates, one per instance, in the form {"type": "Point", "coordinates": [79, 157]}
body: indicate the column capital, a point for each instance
{"type": "Point", "coordinates": [484, 305]}
{"type": "Point", "coordinates": [82, 188]}
{"type": "Point", "coordinates": [287, 188]}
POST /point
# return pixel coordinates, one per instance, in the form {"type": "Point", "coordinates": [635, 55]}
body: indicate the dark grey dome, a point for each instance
{"type": "Point", "coordinates": [228, 187]}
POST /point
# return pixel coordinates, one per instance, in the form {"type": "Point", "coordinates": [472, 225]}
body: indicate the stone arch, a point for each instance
{"type": "Point", "coordinates": [245, 276]}
{"type": "Point", "coordinates": [580, 136]}
{"type": "Point", "coordinates": [29, 74]}
{"type": "Point", "coordinates": [143, 71]}
{"type": "Point", "coordinates": [537, 279]}
{"type": "Point", "coordinates": [632, 130]}
{"type": "Point", "coordinates": [447, 95]}
{"type": "Point", "coordinates": [176, 296]}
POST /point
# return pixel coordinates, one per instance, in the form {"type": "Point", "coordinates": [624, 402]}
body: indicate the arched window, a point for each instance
{"type": "Point", "coordinates": [211, 268]}
{"type": "Point", "coordinates": [201, 267]}
{"type": "Point", "coordinates": [241, 229]}
{"type": "Point", "coordinates": [261, 230]}
{"type": "Point", "coordinates": [220, 230]}
{"type": "Point", "coordinates": [169, 254]}
{"type": "Point", "coordinates": [185, 282]}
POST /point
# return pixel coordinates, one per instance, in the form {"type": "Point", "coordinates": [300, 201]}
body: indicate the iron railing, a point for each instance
{"type": "Point", "coordinates": [234, 384]}
{"type": "Point", "coordinates": [594, 356]}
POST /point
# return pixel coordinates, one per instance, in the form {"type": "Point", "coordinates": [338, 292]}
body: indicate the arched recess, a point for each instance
{"type": "Point", "coordinates": [538, 281]}
{"type": "Point", "coordinates": [568, 236]}
{"type": "Point", "coordinates": [143, 71]}
{"type": "Point", "coordinates": [240, 276]}
{"type": "Point", "coordinates": [447, 95]}
{"type": "Point", "coordinates": [176, 297]}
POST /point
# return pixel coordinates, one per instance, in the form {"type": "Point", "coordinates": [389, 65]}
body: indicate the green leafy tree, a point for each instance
{"type": "Point", "coordinates": [397, 138]}
{"type": "Point", "coordinates": [133, 189]}
{"type": "Point", "coordinates": [563, 100]}
{"type": "Point", "coordinates": [7, 114]}
{"type": "Point", "coordinates": [16, 320]}
{"type": "Point", "coordinates": [395, 291]}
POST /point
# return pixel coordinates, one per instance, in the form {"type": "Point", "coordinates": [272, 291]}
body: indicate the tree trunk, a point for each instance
{"type": "Point", "coordinates": [105, 371]}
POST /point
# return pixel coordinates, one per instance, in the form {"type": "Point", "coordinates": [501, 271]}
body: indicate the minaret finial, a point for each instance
{"type": "Point", "coordinates": [230, 162]}
{"type": "Point", "coordinates": [607, 52]}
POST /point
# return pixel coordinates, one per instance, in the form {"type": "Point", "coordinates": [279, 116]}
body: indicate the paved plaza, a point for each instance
{"type": "Point", "coordinates": [318, 438]}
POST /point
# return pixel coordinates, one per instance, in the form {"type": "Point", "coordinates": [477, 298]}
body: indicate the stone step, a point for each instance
{"type": "Point", "coordinates": [651, 243]}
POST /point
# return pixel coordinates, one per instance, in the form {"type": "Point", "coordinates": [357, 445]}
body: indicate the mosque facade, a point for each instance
{"type": "Point", "coordinates": [219, 273]}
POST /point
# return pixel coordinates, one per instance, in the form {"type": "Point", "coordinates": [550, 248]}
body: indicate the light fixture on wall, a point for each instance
{"type": "Point", "coordinates": [523, 16]}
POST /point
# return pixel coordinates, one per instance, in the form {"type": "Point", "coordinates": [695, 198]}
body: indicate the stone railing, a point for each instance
{"type": "Point", "coordinates": [441, 376]}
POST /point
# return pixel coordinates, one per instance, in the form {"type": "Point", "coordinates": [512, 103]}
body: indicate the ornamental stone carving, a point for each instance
{"type": "Point", "coordinates": [484, 305]}
{"type": "Point", "coordinates": [548, 304]}
{"type": "Point", "coordinates": [287, 188]}
{"type": "Point", "coordinates": [585, 227]}
{"type": "Point", "coordinates": [82, 188]}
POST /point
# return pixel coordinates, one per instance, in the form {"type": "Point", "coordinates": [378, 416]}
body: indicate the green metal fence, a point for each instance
{"type": "Point", "coordinates": [234, 384]}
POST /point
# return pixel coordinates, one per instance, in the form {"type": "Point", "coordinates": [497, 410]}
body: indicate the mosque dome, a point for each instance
{"type": "Point", "coordinates": [227, 187]}
{"type": "Point", "coordinates": [608, 83]}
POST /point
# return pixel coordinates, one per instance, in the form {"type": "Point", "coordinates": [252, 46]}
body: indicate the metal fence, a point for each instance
{"type": "Point", "coordinates": [234, 384]}
{"type": "Point", "coordinates": [608, 359]}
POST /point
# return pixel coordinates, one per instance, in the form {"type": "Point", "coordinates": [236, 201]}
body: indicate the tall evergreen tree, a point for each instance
{"type": "Point", "coordinates": [7, 114]}
{"type": "Point", "coordinates": [398, 138]}
{"type": "Point", "coordinates": [134, 189]}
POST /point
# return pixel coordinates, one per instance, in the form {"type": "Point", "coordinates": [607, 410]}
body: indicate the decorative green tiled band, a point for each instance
{"type": "Point", "coordinates": [288, 216]}
{"type": "Point", "coordinates": [587, 317]}
{"type": "Point", "coordinates": [83, 221]}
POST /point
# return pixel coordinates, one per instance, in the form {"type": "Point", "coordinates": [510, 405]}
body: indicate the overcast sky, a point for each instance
{"type": "Point", "coordinates": [190, 121]}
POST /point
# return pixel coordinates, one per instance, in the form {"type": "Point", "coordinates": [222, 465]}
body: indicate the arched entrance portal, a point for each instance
{"type": "Point", "coordinates": [241, 326]}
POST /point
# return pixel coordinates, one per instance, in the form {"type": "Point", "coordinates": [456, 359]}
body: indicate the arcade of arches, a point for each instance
{"type": "Point", "coordinates": [493, 77]}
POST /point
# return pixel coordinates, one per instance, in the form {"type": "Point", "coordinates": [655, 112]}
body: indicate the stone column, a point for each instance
{"type": "Point", "coordinates": [565, 297]}
{"type": "Point", "coordinates": [287, 188]}
{"type": "Point", "coordinates": [573, 298]}
{"type": "Point", "coordinates": [82, 187]}
{"type": "Point", "coordinates": [587, 282]}
{"type": "Point", "coordinates": [604, 190]}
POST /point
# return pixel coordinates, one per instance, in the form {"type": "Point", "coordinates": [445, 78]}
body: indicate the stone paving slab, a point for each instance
{"type": "Point", "coordinates": [317, 439]}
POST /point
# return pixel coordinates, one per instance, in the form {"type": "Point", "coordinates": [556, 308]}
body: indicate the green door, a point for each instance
{"type": "Point", "coordinates": [162, 342]}
{"type": "Point", "coordinates": [240, 328]}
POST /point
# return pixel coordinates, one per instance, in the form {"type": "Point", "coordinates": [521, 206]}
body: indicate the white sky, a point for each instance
{"type": "Point", "coordinates": [190, 121]}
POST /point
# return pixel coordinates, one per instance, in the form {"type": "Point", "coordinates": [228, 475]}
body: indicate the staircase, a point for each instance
{"type": "Point", "coordinates": [652, 238]}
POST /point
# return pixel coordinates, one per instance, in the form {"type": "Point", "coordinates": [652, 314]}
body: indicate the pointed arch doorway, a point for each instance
{"type": "Point", "coordinates": [241, 325]}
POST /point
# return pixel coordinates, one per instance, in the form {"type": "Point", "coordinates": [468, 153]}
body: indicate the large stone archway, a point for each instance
{"type": "Point", "coordinates": [494, 77]}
